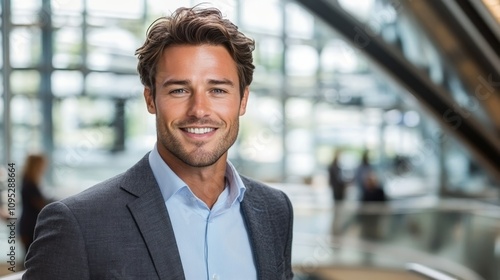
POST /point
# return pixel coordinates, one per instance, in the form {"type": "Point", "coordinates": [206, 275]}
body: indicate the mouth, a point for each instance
{"type": "Point", "coordinates": [199, 130]}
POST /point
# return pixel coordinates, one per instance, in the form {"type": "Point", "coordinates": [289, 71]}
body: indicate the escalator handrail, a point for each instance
{"type": "Point", "coordinates": [406, 255]}
{"type": "Point", "coordinates": [428, 272]}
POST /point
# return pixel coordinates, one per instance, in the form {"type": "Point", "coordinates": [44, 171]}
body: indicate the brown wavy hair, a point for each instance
{"type": "Point", "coordinates": [194, 26]}
{"type": "Point", "coordinates": [34, 167]}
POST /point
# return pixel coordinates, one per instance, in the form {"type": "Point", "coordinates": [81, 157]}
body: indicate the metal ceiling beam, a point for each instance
{"type": "Point", "coordinates": [472, 32]}
{"type": "Point", "coordinates": [484, 146]}
{"type": "Point", "coordinates": [480, 24]}
{"type": "Point", "coordinates": [467, 55]}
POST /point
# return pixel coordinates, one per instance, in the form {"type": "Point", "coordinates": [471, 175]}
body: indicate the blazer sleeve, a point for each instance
{"type": "Point", "coordinates": [288, 248]}
{"type": "Point", "coordinates": [58, 251]}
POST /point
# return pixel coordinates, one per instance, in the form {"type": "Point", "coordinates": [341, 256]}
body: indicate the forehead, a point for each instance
{"type": "Point", "coordinates": [185, 61]}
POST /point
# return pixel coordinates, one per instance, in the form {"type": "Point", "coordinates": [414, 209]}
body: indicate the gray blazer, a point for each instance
{"type": "Point", "coordinates": [120, 229]}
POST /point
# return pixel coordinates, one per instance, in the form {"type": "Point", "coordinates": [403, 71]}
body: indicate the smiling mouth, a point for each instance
{"type": "Point", "coordinates": [199, 130]}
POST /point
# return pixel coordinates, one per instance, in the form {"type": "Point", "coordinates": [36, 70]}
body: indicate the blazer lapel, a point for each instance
{"type": "Point", "coordinates": [151, 216]}
{"type": "Point", "coordinates": [259, 228]}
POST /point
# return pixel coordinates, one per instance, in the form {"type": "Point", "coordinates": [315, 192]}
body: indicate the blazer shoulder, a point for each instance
{"type": "Point", "coordinates": [265, 192]}
{"type": "Point", "coordinates": [99, 192]}
{"type": "Point", "coordinates": [257, 186]}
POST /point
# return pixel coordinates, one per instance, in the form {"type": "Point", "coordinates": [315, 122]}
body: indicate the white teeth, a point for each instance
{"type": "Point", "coordinates": [201, 130]}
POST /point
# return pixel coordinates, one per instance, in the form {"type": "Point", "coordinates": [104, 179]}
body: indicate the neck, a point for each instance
{"type": "Point", "coordinates": [207, 183]}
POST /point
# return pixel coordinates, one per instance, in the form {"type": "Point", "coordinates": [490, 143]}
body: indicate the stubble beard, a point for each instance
{"type": "Point", "coordinates": [200, 157]}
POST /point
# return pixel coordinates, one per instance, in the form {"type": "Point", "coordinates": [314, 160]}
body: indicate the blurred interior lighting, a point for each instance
{"type": "Point", "coordinates": [411, 118]}
{"type": "Point", "coordinates": [393, 117]}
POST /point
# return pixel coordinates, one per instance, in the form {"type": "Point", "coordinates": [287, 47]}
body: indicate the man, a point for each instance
{"type": "Point", "coordinates": [182, 212]}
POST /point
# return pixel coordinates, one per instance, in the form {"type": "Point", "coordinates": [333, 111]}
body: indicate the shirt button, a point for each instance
{"type": "Point", "coordinates": [215, 277]}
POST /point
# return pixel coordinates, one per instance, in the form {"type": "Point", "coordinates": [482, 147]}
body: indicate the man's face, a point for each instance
{"type": "Point", "coordinates": [197, 104]}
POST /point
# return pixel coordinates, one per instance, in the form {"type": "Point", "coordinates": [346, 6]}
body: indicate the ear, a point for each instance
{"type": "Point", "coordinates": [244, 100]}
{"type": "Point", "coordinates": [150, 101]}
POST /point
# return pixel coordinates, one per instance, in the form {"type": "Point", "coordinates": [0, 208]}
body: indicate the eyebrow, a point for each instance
{"type": "Point", "coordinates": [175, 82]}
{"type": "Point", "coordinates": [188, 82]}
{"type": "Point", "coordinates": [221, 82]}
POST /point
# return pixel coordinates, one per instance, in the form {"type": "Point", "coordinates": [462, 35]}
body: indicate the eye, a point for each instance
{"type": "Point", "coordinates": [218, 91]}
{"type": "Point", "coordinates": [178, 91]}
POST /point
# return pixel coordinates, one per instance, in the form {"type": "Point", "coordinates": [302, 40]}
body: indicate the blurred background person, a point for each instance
{"type": "Point", "coordinates": [369, 186]}
{"type": "Point", "coordinates": [336, 179]}
{"type": "Point", "coordinates": [338, 184]}
{"type": "Point", "coordinates": [371, 190]}
{"type": "Point", "coordinates": [32, 198]}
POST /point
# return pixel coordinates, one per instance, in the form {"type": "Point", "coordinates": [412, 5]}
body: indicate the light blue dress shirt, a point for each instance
{"type": "Point", "coordinates": [213, 243]}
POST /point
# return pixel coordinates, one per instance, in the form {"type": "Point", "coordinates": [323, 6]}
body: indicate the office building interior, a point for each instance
{"type": "Point", "coordinates": [416, 83]}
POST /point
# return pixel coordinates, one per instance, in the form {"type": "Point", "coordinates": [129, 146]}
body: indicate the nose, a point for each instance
{"type": "Point", "coordinates": [199, 105]}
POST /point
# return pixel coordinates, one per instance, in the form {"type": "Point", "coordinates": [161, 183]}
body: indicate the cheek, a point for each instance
{"type": "Point", "coordinates": [163, 116]}
{"type": "Point", "coordinates": [166, 116]}
{"type": "Point", "coordinates": [167, 110]}
{"type": "Point", "coordinates": [229, 112]}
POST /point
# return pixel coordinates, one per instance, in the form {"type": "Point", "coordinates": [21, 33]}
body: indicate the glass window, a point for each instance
{"type": "Point", "coordinates": [300, 23]}
{"type": "Point", "coordinates": [25, 82]}
{"type": "Point", "coordinates": [299, 111]}
{"type": "Point", "coordinates": [300, 139]}
{"type": "Point", "coordinates": [227, 7]}
{"type": "Point", "coordinates": [25, 47]}
{"type": "Point", "coordinates": [338, 56]}
{"type": "Point", "coordinates": [66, 83]}
{"type": "Point", "coordinates": [131, 9]}
{"type": "Point", "coordinates": [379, 16]}
{"type": "Point", "coordinates": [113, 85]}
{"type": "Point", "coordinates": [302, 67]}
{"type": "Point", "coordinates": [66, 21]}
{"type": "Point", "coordinates": [1, 49]}
{"type": "Point", "coordinates": [26, 5]}
{"type": "Point", "coordinates": [260, 140]}
{"type": "Point", "coordinates": [269, 53]}
{"type": "Point", "coordinates": [106, 38]}
{"type": "Point", "coordinates": [105, 54]}
{"type": "Point", "coordinates": [67, 6]}
{"type": "Point", "coordinates": [25, 110]}
{"type": "Point", "coordinates": [157, 8]}
{"type": "Point", "coordinates": [339, 126]}
{"type": "Point", "coordinates": [301, 60]}
{"type": "Point", "coordinates": [300, 166]}
{"type": "Point", "coordinates": [27, 12]}
{"type": "Point", "coordinates": [82, 115]}
{"type": "Point", "coordinates": [83, 136]}
{"type": "Point", "coordinates": [2, 126]}
{"type": "Point", "coordinates": [67, 48]}
{"type": "Point", "coordinates": [141, 125]}
{"type": "Point", "coordinates": [266, 20]}
{"type": "Point", "coordinates": [26, 119]}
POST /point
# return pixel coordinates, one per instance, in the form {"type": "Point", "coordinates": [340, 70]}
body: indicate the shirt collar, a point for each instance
{"type": "Point", "coordinates": [236, 187]}
{"type": "Point", "coordinates": [170, 183]}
